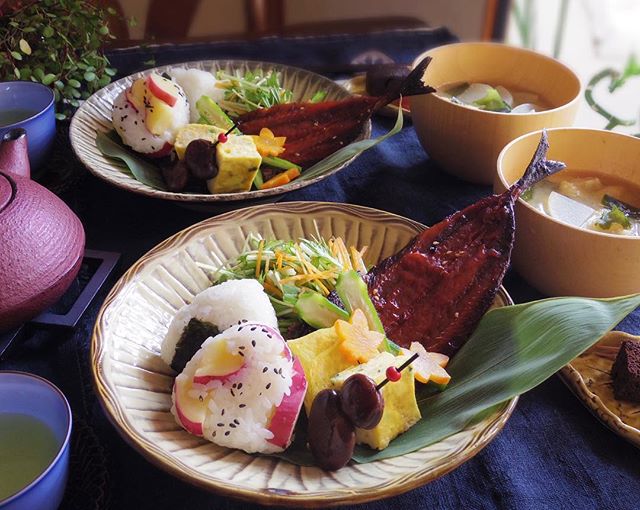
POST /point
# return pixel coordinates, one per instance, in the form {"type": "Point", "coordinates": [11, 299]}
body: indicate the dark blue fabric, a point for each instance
{"type": "Point", "coordinates": [551, 454]}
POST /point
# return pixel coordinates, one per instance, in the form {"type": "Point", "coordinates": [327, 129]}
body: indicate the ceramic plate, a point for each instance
{"type": "Point", "coordinates": [134, 385]}
{"type": "Point", "coordinates": [589, 377]}
{"type": "Point", "coordinates": [95, 115]}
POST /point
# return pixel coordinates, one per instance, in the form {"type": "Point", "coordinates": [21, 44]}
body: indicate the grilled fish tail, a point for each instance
{"type": "Point", "coordinates": [412, 85]}
{"type": "Point", "coordinates": [539, 167]}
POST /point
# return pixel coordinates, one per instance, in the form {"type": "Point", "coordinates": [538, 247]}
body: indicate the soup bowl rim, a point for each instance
{"type": "Point", "coordinates": [52, 388]}
{"type": "Point", "coordinates": [544, 216]}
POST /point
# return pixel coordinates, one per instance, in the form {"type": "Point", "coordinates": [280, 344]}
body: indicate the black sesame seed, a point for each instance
{"type": "Point", "coordinates": [239, 385]}
{"type": "Point", "coordinates": [264, 330]}
{"type": "Point", "coordinates": [227, 433]}
{"type": "Point", "coordinates": [235, 420]}
{"type": "Point", "coordinates": [240, 328]}
{"type": "Point", "coordinates": [241, 347]}
{"type": "Point", "coordinates": [245, 320]}
{"type": "Point", "coordinates": [253, 343]}
{"type": "Point", "coordinates": [232, 393]}
{"type": "Point", "coordinates": [242, 406]}
{"type": "Point", "coordinates": [232, 425]}
{"type": "Point", "coordinates": [265, 369]}
{"type": "Point", "coordinates": [268, 386]}
{"type": "Point", "coordinates": [234, 385]}
{"type": "Point", "coordinates": [269, 336]}
{"type": "Point", "coordinates": [222, 413]}
{"type": "Point", "coordinates": [254, 328]}
{"type": "Point", "coordinates": [220, 424]}
{"type": "Point", "coordinates": [143, 139]}
{"type": "Point", "coordinates": [241, 353]}
{"type": "Point", "coordinates": [214, 433]}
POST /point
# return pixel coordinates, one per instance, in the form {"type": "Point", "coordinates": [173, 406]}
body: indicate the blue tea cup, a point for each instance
{"type": "Point", "coordinates": [31, 106]}
{"type": "Point", "coordinates": [27, 396]}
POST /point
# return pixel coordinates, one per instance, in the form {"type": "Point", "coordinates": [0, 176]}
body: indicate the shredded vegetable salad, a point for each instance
{"type": "Point", "coordinates": [286, 268]}
{"type": "Point", "coordinates": [253, 90]}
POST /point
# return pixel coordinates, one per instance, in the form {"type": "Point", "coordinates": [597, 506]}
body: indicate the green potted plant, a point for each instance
{"type": "Point", "coordinates": [59, 44]}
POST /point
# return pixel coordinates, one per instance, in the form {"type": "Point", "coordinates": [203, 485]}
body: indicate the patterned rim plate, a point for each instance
{"type": "Point", "coordinates": [588, 377]}
{"type": "Point", "coordinates": [134, 385]}
{"type": "Point", "coordinates": [95, 115]}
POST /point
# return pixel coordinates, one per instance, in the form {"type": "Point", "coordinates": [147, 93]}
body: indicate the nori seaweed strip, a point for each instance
{"type": "Point", "coordinates": [192, 338]}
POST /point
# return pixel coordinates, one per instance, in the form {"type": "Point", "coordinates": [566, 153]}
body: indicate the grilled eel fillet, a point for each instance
{"type": "Point", "coordinates": [317, 130]}
{"type": "Point", "coordinates": [438, 287]}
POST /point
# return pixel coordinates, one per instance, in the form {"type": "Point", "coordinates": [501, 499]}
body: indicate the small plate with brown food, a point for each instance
{"type": "Point", "coordinates": [606, 378]}
{"type": "Point", "coordinates": [226, 132]}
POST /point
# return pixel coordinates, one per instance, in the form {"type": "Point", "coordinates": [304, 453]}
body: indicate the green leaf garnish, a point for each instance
{"type": "Point", "coordinates": [611, 216]}
{"type": "Point", "coordinates": [512, 350]}
{"type": "Point", "coordinates": [492, 102]}
{"type": "Point", "coordinates": [147, 173]}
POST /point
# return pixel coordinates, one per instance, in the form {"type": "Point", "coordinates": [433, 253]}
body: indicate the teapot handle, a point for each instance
{"type": "Point", "coordinates": [14, 158]}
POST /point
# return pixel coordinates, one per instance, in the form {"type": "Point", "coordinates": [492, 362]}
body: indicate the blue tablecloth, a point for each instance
{"type": "Point", "coordinates": [551, 454]}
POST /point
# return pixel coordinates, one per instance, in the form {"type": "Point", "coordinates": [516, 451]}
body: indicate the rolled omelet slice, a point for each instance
{"type": "Point", "coordinates": [238, 163]}
{"type": "Point", "coordinates": [401, 410]}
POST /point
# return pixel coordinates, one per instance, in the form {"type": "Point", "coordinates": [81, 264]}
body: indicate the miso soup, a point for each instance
{"type": "Point", "coordinates": [494, 98]}
{"type": "Point", "coordinates": [590, 200]}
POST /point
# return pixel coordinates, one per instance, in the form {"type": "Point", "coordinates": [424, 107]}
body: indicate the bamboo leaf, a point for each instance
{"type": "Point", "coordinates": [513, 350]}
{"type": "Point", "coordinates": [110, 145]}
{"type": "Point", "coordinates": [350, 151]}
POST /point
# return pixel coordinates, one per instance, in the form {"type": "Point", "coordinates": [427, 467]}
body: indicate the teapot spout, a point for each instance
{"type": "Point", "coordinates": [14, 158]}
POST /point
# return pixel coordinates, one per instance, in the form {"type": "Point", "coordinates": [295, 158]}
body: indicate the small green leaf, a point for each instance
{"type": "Point", "coordinates": [110, 71]}
{"type": "Point", "coordinates": [76, 93]}
{"type": "Point", "coordinates": [38, 72]}
{"type": "Point", "coordinates": [89, 76]}
{"type": "Point", "coordinates": [111, 11]}
{"type": "Point", "coordinates": [48, 79]}
{"type": "Point", "coordinates": [47, 32]}
{"type": "Point", "coordinates": [24, 47]}
{"type": "Point", "coordinates": [105, 80]}
{"type": "Point", "coordinates": [103, 30]}
{"type": "Point", "coordinates": [74, 83]}
{"type": "Point", "coordinates": [61, 116]}
{"type": "Point", "coordinates": [150, 62]}
{"type": "Point", "coordinates": [16, 55]}
{"type": "Point", "coordinates": [16, 71]}
{"type": "Point", "coordinates": [59, 84]}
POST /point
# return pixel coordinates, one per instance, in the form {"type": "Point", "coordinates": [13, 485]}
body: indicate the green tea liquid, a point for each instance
{"type": "Point", "coordinates": [27, 447]}
{"type": "Point", "coordinates": [8, 117]}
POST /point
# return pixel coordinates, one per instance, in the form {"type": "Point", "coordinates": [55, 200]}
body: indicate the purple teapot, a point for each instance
{"type": "Point", "coordinates": [41, 239]}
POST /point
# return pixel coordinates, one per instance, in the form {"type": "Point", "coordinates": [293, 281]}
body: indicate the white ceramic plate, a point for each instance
{"type": "Point", "coordinates": [134, 384]}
